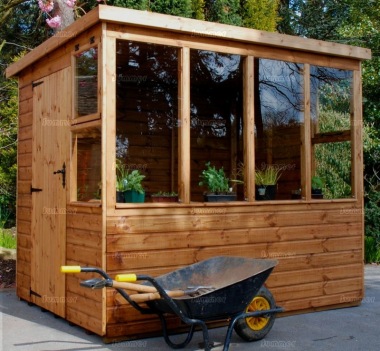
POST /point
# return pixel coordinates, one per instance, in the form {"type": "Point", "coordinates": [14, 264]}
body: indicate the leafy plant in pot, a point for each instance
{"type": "Point", "coordinates": [134, 191]}
{"type": "Point", "coordinates": [266, 182]}
{"type": "Point", "coordinates": [121, 182]}
{"type": "Point", "coordinates": [217, 184]}
{"type": "Point", "coordinates": [317, 187]}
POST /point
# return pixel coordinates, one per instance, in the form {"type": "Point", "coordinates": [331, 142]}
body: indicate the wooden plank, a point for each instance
{"type": "Point", "coordinates": [25, 120]}
{"type": "Point", "coordinates": [24, 160]}
{"type": "Point", "coordinates": [249, 128]}
{"type": "Point", "coordinates": [84, 320]}
{"type": "Point", "coordinates": [221, 237]}
{"type": "Point", "coordinates": [23, 227]}
{"type": "Point", "coordinates": [191, 26]}
{"type": "Point", "coordinates": [184, 125]}
{"type": "Point", "coordinates": [312, 275]}
{"type": "Point", "coordinates": [25, 133]}
{"type": "Point", "coordinates": [85, 221]}
{"type": "Point", "coordinates": [84, 238]}
{"type": "Point", "coordinates": [24, 173]}
{"type": "Point", "coordinates": [152, 224]}
{"type": "Point", "coordinates": [83, 255]}
{"type": "Point", "coordinates": [324, 302]}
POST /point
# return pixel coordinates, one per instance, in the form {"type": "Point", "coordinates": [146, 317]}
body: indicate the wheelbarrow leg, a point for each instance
{"type": "Point", "coordinates": [167, 338]}
{"type": "Point", "coordinates": [192, 323]}
{"type": "Point", "coordinates": [227, 340]}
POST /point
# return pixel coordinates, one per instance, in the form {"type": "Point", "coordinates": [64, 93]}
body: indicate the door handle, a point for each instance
{"type": "Point", "coordinates": [63, 172]}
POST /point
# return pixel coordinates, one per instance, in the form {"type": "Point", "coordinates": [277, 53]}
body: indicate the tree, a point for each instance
{"type": "Point", "coordinates": [261, 14]}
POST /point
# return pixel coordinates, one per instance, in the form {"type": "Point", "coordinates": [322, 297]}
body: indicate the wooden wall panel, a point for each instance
{"type": "Point", "coordinates": [319, 250]}
{"type": "Point", "coordinates": [84, 247]}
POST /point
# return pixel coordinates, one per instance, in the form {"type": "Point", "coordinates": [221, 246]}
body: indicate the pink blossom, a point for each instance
{"type": "Point", "coordinates": [46, 6]}
{"type": "Point", "coordinates": [70, 3]}
{"type": "Point", "coordinates": [54, 22]}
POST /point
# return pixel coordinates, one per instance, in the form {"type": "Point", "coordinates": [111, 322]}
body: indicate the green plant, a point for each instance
{"type": "Point", "coordinates": [165, 193]}
{"type": "Point", "coordinates": [215, 180]}
{"type": "Point", "coordinates": [268, 176]}
{"type": "Point", "coordinates": [316, 182]}
{"type": "Point", "coordinates": [133, 181]}
{"type": "Point", "coordinates": [7, 240]}
{"type": "Point", "coordinates": [121, 176]}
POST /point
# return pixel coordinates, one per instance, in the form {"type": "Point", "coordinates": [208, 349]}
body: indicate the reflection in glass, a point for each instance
{"type": "Point", "coordinates": [279, 115]}
{"type": "Point", "coordinates": [146, 113]}
{"type": "Point", "coordinates": [86, 82]}
{"type": "Point", "coordinates": [87, 144]}
{"type": "Point", "coordinates": [331, 91]}
{"type": "Point", "coordinates": [216, 82]}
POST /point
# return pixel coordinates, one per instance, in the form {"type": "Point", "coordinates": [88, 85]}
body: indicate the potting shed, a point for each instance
{"type": "Point", "coordinates": [165, 95]}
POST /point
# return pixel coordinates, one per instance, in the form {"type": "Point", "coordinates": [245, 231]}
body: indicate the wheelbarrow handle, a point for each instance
{"type": "Point", "coordinates": [155, 296]}
{"type": "Point", "coordinates": [71, 269]}
{"type": "Point", "coordinates": [134, 287]}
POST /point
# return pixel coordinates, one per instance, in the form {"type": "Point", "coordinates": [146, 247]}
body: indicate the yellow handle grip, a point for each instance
{"type": "Point", "coordinates": [126, 278]}
{"type": "Point", "coordinates": [71, 269]}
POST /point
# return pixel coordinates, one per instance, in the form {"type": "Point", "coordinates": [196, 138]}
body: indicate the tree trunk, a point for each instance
{"type": "Point", "coordinates": [65, 12]}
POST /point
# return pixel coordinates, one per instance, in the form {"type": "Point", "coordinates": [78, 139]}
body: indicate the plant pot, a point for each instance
{"type": "Point", "coordinates": [219, 197]}
{"type": "Point", "coordinates": [266, 192]}
{"type": "Point", "coordinates": [120, 196]}
{"type": "Point", "coordinates": [163, 198]}
{"type": "Point", "coordinates": [134, 196]}
{"type": "Point", "coordinates": [316, 194]}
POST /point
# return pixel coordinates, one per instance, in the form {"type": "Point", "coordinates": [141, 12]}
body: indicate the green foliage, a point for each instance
{"type": "Point", "coordinates": [133, 181]}
{"type": "Point", "coordinates": [268, 176]}
{"type": "Point", "coordinates": [132, 4]}
{"type": "Point", "coordinates": [261, 14]}
{"type": "Point", "coordinates": [224, 11]}
{"type": "Point", "coordinates": [7, 240]}
{"type": "Point", "coordinates": [181, 8]}
{"type": "Point", "coordinates": [316, 183]}
{"type": "Point", "coordinates": [8, 150]}
{"type": "Point", "coordinates": [215, 180]}
{"type": "Point", "coordinates": [198, 7]}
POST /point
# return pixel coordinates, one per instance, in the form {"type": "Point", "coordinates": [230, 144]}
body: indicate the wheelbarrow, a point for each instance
{"type": "Point", "coordinates": [218, 289]}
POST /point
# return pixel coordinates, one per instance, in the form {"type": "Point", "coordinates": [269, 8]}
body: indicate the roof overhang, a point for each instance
{"type": "Point", "coordinates": [111, 14]}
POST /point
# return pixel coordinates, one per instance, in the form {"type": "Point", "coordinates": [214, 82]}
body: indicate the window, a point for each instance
{"type": "Point", "coordinates": [147, 113]}
{"type": "Point", "coordinates": [279, 116]}
{"type": "Point", "coordinates": [87, 164]}
{"type": "Point", "coordinates": [86, 129]}
{"type": "Point", "coordinates": [86, 82]}
{"type": "Point", "coordinates": [331, 91]}
{"type": "Point", "coordinates": [216, 83]}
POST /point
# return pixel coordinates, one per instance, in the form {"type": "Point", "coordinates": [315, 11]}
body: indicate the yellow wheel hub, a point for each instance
{"type": "Point", "coordinates": [259, 303]}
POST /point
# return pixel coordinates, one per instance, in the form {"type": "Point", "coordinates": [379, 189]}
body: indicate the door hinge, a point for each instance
{"type": "Point", "coordinates": [31, 292]}
{"type": "Point", "coordinates": [35, 190]}
{"type": "Point", "coordinates": [35, 84]}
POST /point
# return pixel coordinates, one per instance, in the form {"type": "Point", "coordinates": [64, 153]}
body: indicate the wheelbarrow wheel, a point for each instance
{"type": "Point", "coordinates": [255, 328]}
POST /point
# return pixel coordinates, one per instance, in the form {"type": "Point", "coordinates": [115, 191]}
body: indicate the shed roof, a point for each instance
{"type": "Point", "coordinates": [104, 13]}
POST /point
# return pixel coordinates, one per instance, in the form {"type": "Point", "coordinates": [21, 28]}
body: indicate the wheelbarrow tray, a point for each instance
{"type": "Point", "coordinates": [235, 282]}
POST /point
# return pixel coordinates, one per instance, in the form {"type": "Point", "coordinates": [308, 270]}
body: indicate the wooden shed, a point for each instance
{"type": "Point", "coordinates": [165, 95]}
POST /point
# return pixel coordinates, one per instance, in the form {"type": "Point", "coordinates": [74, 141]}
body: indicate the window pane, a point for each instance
{"type": "Point", "coordinates": [216, 116]}
{"type": "Point", "coordinates": [331, 91]}
{"type": "Point", "coordinates": [88, 146]}
{"type": "Point", "coordinates": [86, 81]}
{"type": "Point", "coordinates": [279, 116]}
{"type": "Point", "coordinates": [146, 113]}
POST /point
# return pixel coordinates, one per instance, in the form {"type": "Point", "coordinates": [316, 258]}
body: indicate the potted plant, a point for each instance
{"type": "Point", "coordinates": [266, 182]}
{"type": "Point", "coordinates": [217, 185]}
{"type": "Point", "coordinates": [134, 192]}
{"type": "Point", "coordinates": [121, 182]}
{"type": "Point", "coordinates": [163, 196]}
{"type": "Point", "coordinates": [316, 187]}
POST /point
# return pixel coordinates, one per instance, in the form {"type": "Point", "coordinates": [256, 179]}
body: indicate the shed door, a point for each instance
{"type": "Point", "coordinates": [51, 133]}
